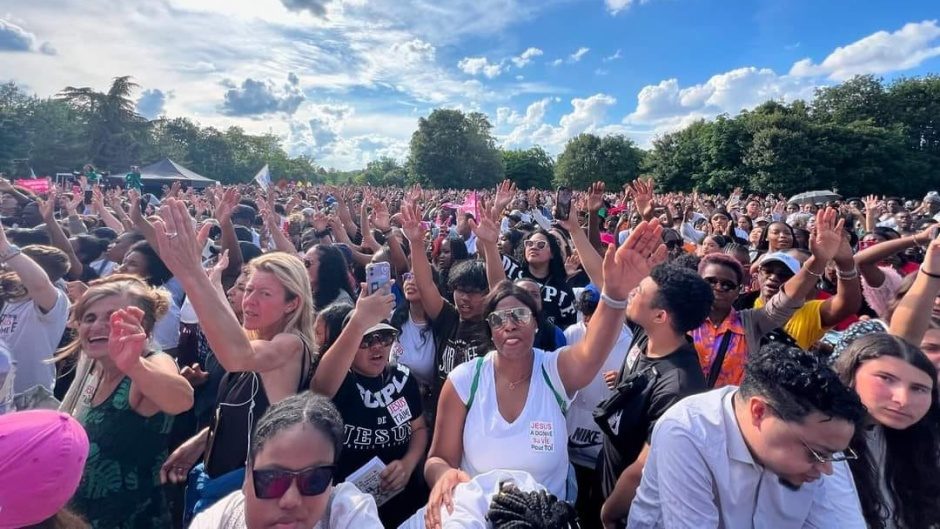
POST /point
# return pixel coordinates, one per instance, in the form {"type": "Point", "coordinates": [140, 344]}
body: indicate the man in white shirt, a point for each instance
{"type": "Point", "coordinates": [752, 456]}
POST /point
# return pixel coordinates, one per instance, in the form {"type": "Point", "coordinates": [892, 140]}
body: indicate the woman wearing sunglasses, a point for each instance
{"type": "Point", "coordinates": [545, 264]}
{"type": "Point", "coordinates": [896, 474]}
{"type": "Point", "coordinates": [291, 465]}
{"type": "Point", "coordinates": [507, 410]}
{"type": "Point", "coordinates": [380, 403]}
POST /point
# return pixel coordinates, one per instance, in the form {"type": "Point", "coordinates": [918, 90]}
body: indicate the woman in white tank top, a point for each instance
{"type": "Point", "coordinates": [506, 410]}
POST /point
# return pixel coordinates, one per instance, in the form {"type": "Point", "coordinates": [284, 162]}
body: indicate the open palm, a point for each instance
{"type": "Point", "coordinates": [826, 238]}
{"type": "Point", "coordinates": [626, 266]}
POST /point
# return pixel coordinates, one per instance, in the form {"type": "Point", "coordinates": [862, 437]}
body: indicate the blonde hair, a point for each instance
{"type": "Point", "coordinates": [155, 302]}
{"type": "Point", "coordinates": [291, 274]}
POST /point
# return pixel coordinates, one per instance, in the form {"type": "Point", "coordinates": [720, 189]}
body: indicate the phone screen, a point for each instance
{"type": "Point", "coordinates": [563, 203]}
{"type": "Point", "coordinates": [378, 276]}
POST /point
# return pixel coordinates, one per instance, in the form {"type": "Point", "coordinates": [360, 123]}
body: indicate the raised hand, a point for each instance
{"type": "Point", "coordinates": [127, 338]}
{"type": "Point", "coordinates": [177, 240]}
{"type": "Point", "coordinates": [380, 217]}
{"type": "Point", "coordinates": [487, 229]}
{"type": "Point", "coordinates": [411, 223]}
{"type": "Point", "coordinates": [872, 204]}
{"type": "Point", "coordinates": [504, 195]}
{"type": "Point", "coordinates": [371, 309]}
{"type": "Point", "coordinates": [642, 191]}
{"type": "Point", "coordinates": [223, 210]}
{"type": "Point", "coordinates": [47, 207]}
{"type": "Point", "coordinates": [826, 236]}
{"type": "Point", "coordinates": [596, 197]}
{"type": "Point", "coordinates": [573, 263]}
{"type": "Point", "coordinates": [626, 266]}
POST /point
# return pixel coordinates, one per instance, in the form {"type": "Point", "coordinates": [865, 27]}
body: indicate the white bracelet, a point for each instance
{"type": "Point", "coordinates": [619, 304]}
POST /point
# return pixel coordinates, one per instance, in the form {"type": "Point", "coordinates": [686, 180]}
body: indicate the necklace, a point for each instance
{"type": "Point", "coordinates": [513, 385]}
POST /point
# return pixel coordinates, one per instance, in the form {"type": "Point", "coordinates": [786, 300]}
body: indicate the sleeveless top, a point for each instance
{"type": "Point", "coordinates": [242, 401]}
{"type": "Point", "coordinates": [120, 486]}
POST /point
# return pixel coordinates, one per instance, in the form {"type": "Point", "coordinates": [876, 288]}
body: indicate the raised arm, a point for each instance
{"type": "Point", "coordinates": [487, 231]}
{"type": "Point", "coordinates": [336, 361]}
{"type": "Point", "coordinates": [623, 269]}
{"type": "Point", "coordinates": [181, 252]}
{"type": "Point", "coordinates": [156, 378]}
{"type": "Point", "coordinates": [38, 286]}
{"type": "Point", "coordinates": [848, 298]}
{"type": "Point", "coordinates": [912, 317]}
{"type": "Point", "coordinates": [420, 266]}
{"type": "Point", "coordinates": [109, 220]}
{"type": "Point", "coordinates": [223, 214]}
{"type": "Point", "coordinates": [867, 260]}
{"type": "Point", "coordinates": [57, 236]}
{"type": "Point", "coordinates": [590, 259]}
{"type": "Point", "coordinates": [141, 223]}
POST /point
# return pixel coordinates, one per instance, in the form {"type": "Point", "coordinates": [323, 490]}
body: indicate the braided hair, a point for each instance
{"type": "Point", "coordinates": [515, 509]}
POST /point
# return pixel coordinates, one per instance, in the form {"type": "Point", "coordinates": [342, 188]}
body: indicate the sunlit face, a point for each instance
{"type": "Point", "coordinates": [779, 237]}
{"type": "Point", "coordinates": [537, 249]}
{"type": "Point", "coordinates": [786, 448]}
{"type": "Point", "coordinates": [896, 393]}
{"type": "Point", "coordinates": [410, 288]}
{"type": "Point", "coordinates": [772, 276]}
{"type": "Point", "coordinates": [134, 263]}
{"type": "Point", "coordinates": [809, 208]}
{"type": "Point", "coordinates": [793, 208]}
{"type": "Point", "coordinates": [724, 283]}
{"type": "Point", "coordinates": [505, 244]}
{"type": "Point", "coordinates": [118, 248]}
{"type": "Point", "coordinates": [94, 326]}
{"type": "Point", "coordinates": [744, 223]}
{"type": "Point", "coordinates": [236, 294]}
{"type": "Point", "coordinates": [514, 339]}
{"type": "Point", "coordinates": [266, 303]}
{"type": "Point", "coordinates": [640, 306]}
{"type": "Point", "coordinates": [753, 209]}
{"type": "Point", "coordinates": [708, 246]}
{"type": "Point", "coordinates": [903, 220]}
{"type": "Point", "coordinates": [297, 448]}
{"type": "Point", "coordinates": [720, 223]}
{"type": "Point", "coordinates": [754, 236]}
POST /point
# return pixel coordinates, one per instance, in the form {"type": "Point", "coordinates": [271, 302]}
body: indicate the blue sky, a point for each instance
{"type": "Point", "coordinates": [346, 80]}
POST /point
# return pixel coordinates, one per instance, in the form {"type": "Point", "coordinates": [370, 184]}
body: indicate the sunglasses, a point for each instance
{"type": "Point", "coordinates": [272, 484]}
{"type": "Point", "coordinates": [518, 315]}
{"type": "Point", "coordinates": [721, 285]}
{"type": "Point", "coordinates": [538, 245]}
{"type": "Point", "coordinates": [383, 338]}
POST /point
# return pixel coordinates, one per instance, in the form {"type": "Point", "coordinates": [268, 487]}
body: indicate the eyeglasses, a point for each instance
{"type": "Point", "coordinates": [721, 285]}
{"type": "Point", "coordinates": [538, 245]}
{"type": "Point", "coordinates": [407, 276]}
{"type": "Point", "coordinates": [518, 315]}
{"type": "Point", "coordinates": [272, 484]}
{"type": "Point", "coordinates": [383, 338]}
{"type": "Point", "coordinates": [846, 455]}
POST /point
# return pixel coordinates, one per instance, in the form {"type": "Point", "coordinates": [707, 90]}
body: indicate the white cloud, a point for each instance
{"type": "Point", "coordinates": [526, 57]}
{"type": "Point", "coordinates": [616, 6]}
{"type": "Point", "coordinates": [578, 55]}
{"type": "Point", "coordinates": [14, 37]}
{"type": "Point", "coordinates": [727, 92]}
{"type": "Point", "coordinates": [587, 115]}
{"type": "Point", "coordinates": [617, 55]}
{"type": "Point", "coordinates": [556, 62]}
{"type": "Point", "coordinates": [480, 65]}
{"type": "Point", "coordinates": [880, 52]}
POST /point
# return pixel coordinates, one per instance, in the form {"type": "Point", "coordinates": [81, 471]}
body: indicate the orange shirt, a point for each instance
{"type": "Point", "coordinates": [707, 338]}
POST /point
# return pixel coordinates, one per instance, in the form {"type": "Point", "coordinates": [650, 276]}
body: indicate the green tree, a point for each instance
{"type": "Point", "coordinates": [862, 98]}
{"type": "Point", "coordinates": [451, 149]}
{"type": "Point", "coordinates": [384, 171]}
{"type": "Point", "coordinates": [115, 130]}
{"type": "Point", "coordinates": [587, 158]}
{"type": "Point", "coordinates": [530, 168]}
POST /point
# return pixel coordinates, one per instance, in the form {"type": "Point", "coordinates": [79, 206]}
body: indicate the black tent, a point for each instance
{"type": "Point", "coordinates": [166, 171]}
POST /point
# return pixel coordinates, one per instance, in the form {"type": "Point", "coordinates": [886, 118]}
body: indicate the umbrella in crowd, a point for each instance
{"type": "Point", "coordinates": [815, 197]}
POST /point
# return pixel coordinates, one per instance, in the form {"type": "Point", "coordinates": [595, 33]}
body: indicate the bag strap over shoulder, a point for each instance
{"type": "Point", "coordinates": [558, 398]}
{"type": "Point", "coordinates": [718, 360]}
{"type": "Point", "coordinates": [476, 381]}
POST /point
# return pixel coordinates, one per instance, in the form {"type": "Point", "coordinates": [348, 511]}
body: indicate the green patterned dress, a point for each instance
{"type": "Point", "coordinates": [120, 487]}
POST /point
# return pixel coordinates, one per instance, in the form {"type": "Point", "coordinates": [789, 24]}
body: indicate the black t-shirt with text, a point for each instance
{"type": "Point", "coordinates": [679, 375]}
{"type": "Point", "coordinates": [456, 342]}
{"type": "Point", "coordinates": [557, 296]}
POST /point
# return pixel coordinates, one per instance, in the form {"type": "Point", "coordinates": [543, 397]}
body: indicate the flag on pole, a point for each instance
{"type": "Point", "coordinates": [264, 177]}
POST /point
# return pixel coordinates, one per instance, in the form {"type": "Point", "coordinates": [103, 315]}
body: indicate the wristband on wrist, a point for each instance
{"type": "Point", "coordinates": [619, 304]}
{"type": "Point", "coordinates": [847, 275]}
{"type": "Point", "coordinates": [814, 274]}
{"type": "Point", "coordinates": [10, 253]}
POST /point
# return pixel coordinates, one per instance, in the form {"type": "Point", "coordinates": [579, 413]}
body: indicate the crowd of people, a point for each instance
{"type": "Point", "coordinates": [309, 356]}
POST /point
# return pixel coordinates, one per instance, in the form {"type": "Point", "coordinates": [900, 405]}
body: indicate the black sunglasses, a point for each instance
{"type": "Point", "coordinates": [721, 285]}
{"type": "Point", "coordinates": [272, 484]}
{"type": "Point", "coordinates": [384, 338]}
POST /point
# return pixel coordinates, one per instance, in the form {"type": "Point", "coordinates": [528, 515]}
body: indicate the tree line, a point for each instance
{"type": "Point", "coordinates": [861, 136]}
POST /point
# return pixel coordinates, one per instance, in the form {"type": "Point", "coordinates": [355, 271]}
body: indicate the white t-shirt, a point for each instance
{"type": "Point", "coordinates": [536, 442]}
{"type": "Point", "coordinates": [472, 500]}
{"type": "Point", "coordinates": [585, 438]}
{"type": "Point", "coordinates": [103, 267]}
{"type": "Point", "coordinates": [33, 337]}
{"type": "Point", "coordinates": [348, 508]}
{"type": "Point", "coordinates": [166, 330]}
{"type": "Point", "coordinates": [415, 349]}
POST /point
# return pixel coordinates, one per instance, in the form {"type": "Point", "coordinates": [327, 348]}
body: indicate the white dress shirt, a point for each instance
{"type": "Point", "coordinates": [700, 474]}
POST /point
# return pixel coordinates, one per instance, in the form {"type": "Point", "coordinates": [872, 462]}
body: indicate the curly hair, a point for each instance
{"type": "Point", "coordinates": [797, 383]}
{"type": "Point", "coordinates": [515, 509]}
{"type": "Point", "coordinates": [912, 458]}
{"type": "Point", "coordinates": [683, 294]}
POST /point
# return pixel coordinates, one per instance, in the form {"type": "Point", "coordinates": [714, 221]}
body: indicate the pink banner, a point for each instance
{"type": "Point", "coordinates": [36, 185]}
